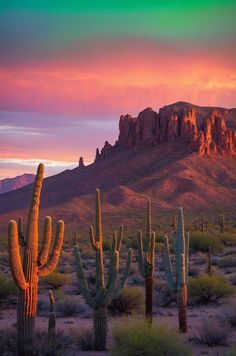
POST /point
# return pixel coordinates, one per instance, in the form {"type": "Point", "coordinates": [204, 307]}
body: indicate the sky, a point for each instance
{"type": "Point", "coordinates": [69, 69]}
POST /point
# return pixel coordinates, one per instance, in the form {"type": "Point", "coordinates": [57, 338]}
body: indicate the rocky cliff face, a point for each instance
{"type": "Point", "coordinates": [206, 135]}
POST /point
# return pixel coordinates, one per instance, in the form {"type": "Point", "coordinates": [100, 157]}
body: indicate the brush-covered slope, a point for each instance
{"type": "Point", "coordinates": [183, 155]}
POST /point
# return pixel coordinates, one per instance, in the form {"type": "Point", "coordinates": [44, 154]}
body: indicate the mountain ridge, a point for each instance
{"type": "Point", "coordinates": [171, 172]}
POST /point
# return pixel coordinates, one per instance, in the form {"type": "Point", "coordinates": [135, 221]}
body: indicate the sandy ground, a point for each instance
{"type": "Point", "coordinates": [166, 315]}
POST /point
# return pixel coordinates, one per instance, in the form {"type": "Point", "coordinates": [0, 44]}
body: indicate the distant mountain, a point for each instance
{"type": "Point", "coordinates": [9, 184]}
{"type": "Point", "coordinates": [184, 155]}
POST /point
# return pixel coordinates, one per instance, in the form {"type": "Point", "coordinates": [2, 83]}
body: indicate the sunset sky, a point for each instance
{"type": "Point", "coordinates": [69, 69]}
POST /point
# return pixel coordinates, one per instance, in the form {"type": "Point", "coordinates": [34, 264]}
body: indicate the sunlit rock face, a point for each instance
{"type": "Point", "coordinates": [206, 134]}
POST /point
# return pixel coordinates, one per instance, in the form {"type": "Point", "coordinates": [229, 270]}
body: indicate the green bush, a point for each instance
{"type": "Point", "coordinates": [130, 300]}
{"type": "Point", "coordinates": [137, 338]}
{"type": "Point", "coordinates": [56, 280]}
{"type": "Point", "coordinates": [211, 333]}
{"type": "Point", "coordinates": [231, 352]}
{"type": "Point", "coordinates": [106, 245]}
{"type": "Point", "coordinates": [208, 288]}
{"type": "Point", "coordinates": [200, 241]}
{"type": "Point", "coordinates": [7, 286]}
{"type": "Point", "coordinates": [228, 261]}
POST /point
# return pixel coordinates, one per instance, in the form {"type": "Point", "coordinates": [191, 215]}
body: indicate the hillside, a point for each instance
{"type": "Point", "coordinates": [183, 155]}
{"type": "Point", "coordinates": [8, 184]}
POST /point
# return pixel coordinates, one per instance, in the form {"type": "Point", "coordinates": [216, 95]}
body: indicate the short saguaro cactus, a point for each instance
{"type": "Point", "coordinates": [177, 280]}
{"type": "Point", "coordinates": [105, 291]}
{"type": "Point", "coordinates": [146, 259]}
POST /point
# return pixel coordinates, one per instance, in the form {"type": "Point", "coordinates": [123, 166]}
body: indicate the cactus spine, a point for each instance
{"type": "Point", "coordinates": [178, 281]}
{"type": "Point", "coordinates": [34, 264]}
{"type": "Point", "coordinates": [52, 319]}
{"type": "Point", "coordinates": [222, 223]}
{"type": "Point", "coordinates": [146, 259]}
{"type": "Point", "coordinates": [105, 292]}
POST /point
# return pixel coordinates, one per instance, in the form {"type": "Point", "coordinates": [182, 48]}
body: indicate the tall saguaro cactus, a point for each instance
{"type": "Point", "coordinates": [105, 291]}
{"type": "Point", "coordinates": [178, 281]}
{"type": "Point", "coordinates": [34, 264]}
{"type": "Point", "coordinates": [146, 259]}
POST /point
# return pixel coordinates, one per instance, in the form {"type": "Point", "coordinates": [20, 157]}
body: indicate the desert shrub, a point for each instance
{"type": "Point", "coordinates": [137, 279]}
{"type": "Point", "coordinates": [42, 307]}
{"type": "Point", "coordinates": [59, 347]}
{"type": "Point", "coordinates": [7, 286]}
{"type": "Point", "coordinates": [56, 280]}
{"type": "Point", "coordinates": [85, 339]}
{"type": "Point", "coordinates": [228, 239]}
{"type": "Point", "coordinates": [8, 342]}
{"type": "Point", "coordinates": [193, 271]}
{"type": "Point", "coordinates": [211, 333]}
{"type": "Point", "coordinates": [106, 245]}
{"type": "Point", "coordinates": [233, 279]}
{"type": "Point", "coordinates": [130, 300]}
{"type": "Point", "coordinates": [208, 288]}
{"type": "Point", "coordinates": [164, 296]}
{"type": "Point", "coordinates": [200, 259]}
{"type": "Point", "coordinates": [229, 316]}
{"type": "Point", "coordinates": [131, 242]}
{"type": "Point", "coordinates": [200, 241]}
{"type": "Point", "coordinates": [69, 306]}
{"type": "Point", "coordinates": [137, 338]}
{"type": "Point", "coordinates": [228, 261]}
{"type": "Point", "coordinates": [231, 351]}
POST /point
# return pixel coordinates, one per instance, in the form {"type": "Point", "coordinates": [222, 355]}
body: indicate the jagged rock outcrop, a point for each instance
{"type": "Point", "coordinates": [97, 156]}
{"type": "Point", "coordinates": [107, 148]}
{"type": "Point", "coordinates": [81, 162]}
{"type": "Point", "coordinates": [178, 122]}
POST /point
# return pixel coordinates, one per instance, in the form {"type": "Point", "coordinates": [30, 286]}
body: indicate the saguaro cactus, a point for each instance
{"type": "Point", "coordinates": [178, 281]}
{"type": "Point", "coordinates": [146, 259]}
{"type": "Point", "coordinates": [222, 223]}
{"type": "Point", "coordinates": [34, 264]}
{"type": "Point", "coordinates": [105, 292]}
{"type": "Point", "coordinates": [52, 318]}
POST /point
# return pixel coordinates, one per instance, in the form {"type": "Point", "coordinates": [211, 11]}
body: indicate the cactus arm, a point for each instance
{"type": "Point", "coordinates": [82, 280]}
{"type": "Point", "coordinates": [92, 240]}
{"type": "Point", "coordinates": [98, 218]}
{"type": "Point", "coordinates": [140, 253]}
{"type": "Point", "coordinates": [50, 265]}
{"type": "Point", "coordinates": [152, 250]}
{"type": "Point", "coordinates": [98, 239]}
{"type": "Point", "coordinates": [32, 226]}
{"type": "Point", "coordinates": [125, 276]}
{"type": "Point", "coordinates": [149, 228]}
{"type": "Point", "coordinates": [20, 232]}
{"type": "Point", "coordinates": [113, 249]}
{"type": "Point", "coordinates": [14, 256]}
{"type": "Point", "coordinates": [180, 232]}
{"type": "Point", "coordinates": [187, 239]}
{"type": "Point", "coordinates": [113, 282]}
{"type": "Point", "coordinates": [167, 264]}
{"type": "Point", "coordinates": [120, 237]}
{"type": "Point", "coordinates": [43, 254]}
